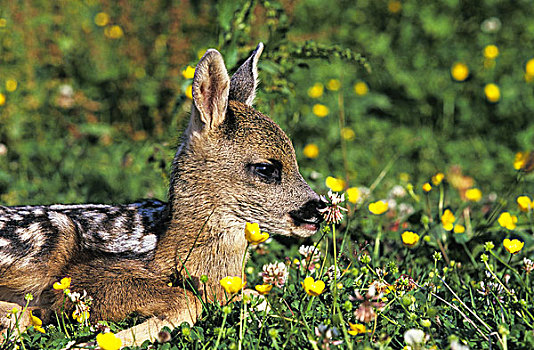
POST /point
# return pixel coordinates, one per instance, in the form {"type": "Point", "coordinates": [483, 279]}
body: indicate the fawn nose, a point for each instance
{"type": "Point", "coordinates": [308, 214]}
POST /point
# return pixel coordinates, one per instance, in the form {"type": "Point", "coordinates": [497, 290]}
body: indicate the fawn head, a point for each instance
{"type": "Point", "coordinates": [237, 160]}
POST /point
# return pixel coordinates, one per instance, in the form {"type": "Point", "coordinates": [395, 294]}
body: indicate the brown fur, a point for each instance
{"type": "Point", "coordinates": [235, 165]}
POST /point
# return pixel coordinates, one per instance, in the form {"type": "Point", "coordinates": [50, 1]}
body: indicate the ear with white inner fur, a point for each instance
{"type": "Point", "coordinates": [211, 85]}
{"type": "Point", "coordinates": [245, 79]}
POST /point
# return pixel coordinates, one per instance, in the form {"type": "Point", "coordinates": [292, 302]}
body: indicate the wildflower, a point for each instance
{"type": "Point", "coordinates": [507, 220]}
{"type": "Point", "coordinates": [335, 184]}
{"type": "Point", "coordinates": [36, 323]}
{"type": "Point", "coordinates": [310, 252]}
{"type": "Point", "coordinates": [529, 67]}
{"type": "Point", "coordinates": [3, 22]}
{"type": "Point", "coordinates": [113, 32]}
{"type": "Point", "coordinates": [326, 336]}
{"type": "Point", "coordinates": [348, 134]}
{"type": "Point", "coordinates": [275, 274]}
{"type": "Point", "coordinates": [232, 284]}
{"type": "Point", "coordinates": [332, 212]}
{"type": "Point", "coordinates": [189, 92]}
{"type": "Point", "coordinates": [2, 99]}
{"type": "Point", "coordinates": [333, 85]}
{"type": "Point", "coordinates": [427, 187]}
{"type": "Point", "coordinates": [316, 90]}
{"type": "Point", "coordinates": [188, 72]}
{"type": "Point", "coordinates": [63, 284]}
{"type": "Point", "coordinates": [525, 203]}
{"type": "Point", "coordinates": [366, 310]}
{"type": "Point", "coordinates": [81, 317]}
{"type": "Point", "coordinates": [492, 92]}
{"type": "Point", "coordinates": [311, 150]}
{"type": "Point", "coordinates": [394, 6]}
{"type": "Point", "coordinates": [473, 194]}
{"type": "Point", "coordinates": [448, 219]}
{"type": "Point", "coordinates": [459, 71]}
{"type": "Point", "coordinates": [378, 207]}
{"type": "Point", "coordinates": [353, 194]}
{"type": "Point", "coordinates": [108, 341]}
{"type": "Point", "coordinates": [320, 110]}
{"type": "Point", "coordinates": [312, 287]}
{"type": "Point", "coordinates": [253, 233]}
{"type": "Point", "coordinates": [264, 289]}
{"type": "Point", "coordinates": [355, 329]}
{"type": "Point", "coordinates": [491, 52]}
{"type": "Point", "coordinates": [414, 337]}
{"type": "Point", "coordinates": [11, 85]}
{"type": "Point", "coordinates": [410, 238]}
{"type": "Point", "coordinates": [459, 228]}
{"type": "Point", "coordinates": [513, 246]}
{"type": "Point", "coordinates": [101, 19]}
{"type": "Point", "coordinates": [361, 88]}
{"type": "Point", "coordinates": [529, 265]}
{"type": "Point", "coordinates": [437, 179]}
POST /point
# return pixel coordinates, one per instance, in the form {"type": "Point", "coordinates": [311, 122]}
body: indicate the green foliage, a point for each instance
{"type": "Point", "coordinates": [99, 103]}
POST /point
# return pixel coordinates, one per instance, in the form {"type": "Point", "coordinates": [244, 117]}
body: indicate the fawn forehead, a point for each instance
{"type": "Point", "coordinates": [252, 130]}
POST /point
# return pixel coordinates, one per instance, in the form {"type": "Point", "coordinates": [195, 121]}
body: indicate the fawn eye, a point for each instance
{"type": "Point", "coordinates": [267, 172]}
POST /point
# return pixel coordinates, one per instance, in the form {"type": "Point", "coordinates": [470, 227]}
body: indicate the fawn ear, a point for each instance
{"type": "Point", "coordinates": [245, 79]}
{"type": "Point", "coordinates": [210, 91]}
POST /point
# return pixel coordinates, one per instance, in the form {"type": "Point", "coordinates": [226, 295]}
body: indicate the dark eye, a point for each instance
{"type": "Point", "coordinates": [267, 172]}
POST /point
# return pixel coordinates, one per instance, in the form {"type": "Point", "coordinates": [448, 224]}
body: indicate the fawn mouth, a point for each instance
{"type": "Point", "coordinates": [306, 225]}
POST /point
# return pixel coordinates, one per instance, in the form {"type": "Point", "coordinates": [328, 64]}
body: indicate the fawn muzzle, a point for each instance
{"type": "Point", "coordinates": [308, 215]}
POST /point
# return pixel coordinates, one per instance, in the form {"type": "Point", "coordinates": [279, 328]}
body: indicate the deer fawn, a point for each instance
{"type": "Point", "coordinates": [234, 165]}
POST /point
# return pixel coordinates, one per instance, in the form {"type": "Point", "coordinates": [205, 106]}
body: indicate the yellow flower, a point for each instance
{"type": "Point", "coordinates": [188, 72]}
{"type": "Point", "coordinates": [529, 67]}
{"type": "Point", "coordinates": [63, 284]}
{"type": "Point", "coordinates": [355, 329]}
{"type": "Point", "coordinates": [525, 203]}
{"type": "Point", "coordinates": [335, 184]}
{"type": "Point", "coordinates": [320, 110]}
{"type": "Point", "coordinates": [459, 71]}
{"type": "Point", "coordinates": [2, 99]}
{"type": "Point", "coordinates": [189, 92]}
{"type": "Point", "coordinates": [232, 284]}
{"type": "Point", "coordinates": [333, 85]}
{"type": "Point", "coordinates": [410, 238]}
{"type": "Point", "coordinates": [361, 88]}
{"type": "Point", "coordinates": [3, 22]}
{"type": "Point", "coordinates": [507, 220]}
{"type": "Point", "coordinates": [316, 90]}
{"type": "Point", "coordinates": [311, 150]}
{"type": "Point", "coordinates": [108, 341]}
{"type": "Point", "coordinates": [378, 207]}
{"type": "Point", "coordinates": [448, 219]}
{"type": "Point", "coordinates": [493, 93]}
{"type": "Point", "coordinates": [427, 187]}
{"type": "Point", "coordinates": [101, 19]}
{"type": "Point", "coordinates": [348, 134]}
{"type": "Point", "coordinates": [312, 287]}
{"type": "Point", "coordinates": [36, 323]}
{"type": "Point", "coordinates": [253, 233]}
{"type": "Point", "coordinates": [264, 289]}
{"type": "Point", "coordinates": [519, 161]}
{"type": "Point", "coordinates": [11, 85]}
{"type": "Point", "coordinates": [353, 194]}
{"type": "Point", "coordinates": [491, 52]}
{"type": "Point", "coordinates": [459, 228]}
{"type": "Point", "coordinates": [473, 194]}
{"type": "Point", "coordinates": [404, 177]}
{"type": "Point", "coordinates": [113, 32]}
{"type": "Point", "coordinates": [436, 179]}
{"type": "Point", "coordinates": [80, 317]}
{"type": "Point", "coordinates": [394, 6]}
{"type": "Point", "coordinates": [513, 246]}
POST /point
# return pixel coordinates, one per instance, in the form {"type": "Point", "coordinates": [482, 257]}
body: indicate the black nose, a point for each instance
{"type": "Point", "coordinates": [308, 213]}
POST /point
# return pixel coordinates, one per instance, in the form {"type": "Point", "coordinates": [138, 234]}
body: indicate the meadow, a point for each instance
{"type": "Point", "coordinates": [413, 120]}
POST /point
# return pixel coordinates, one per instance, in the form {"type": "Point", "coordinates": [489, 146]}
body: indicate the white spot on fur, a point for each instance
{"type": "Point", "coordinates": [4, 242]}
{"type": "Point", "coordinates": [61, 221]}
{"type": "Point", "coordinates": [32, 233]}
{"type": "Point", "coordinates": [2, 225]}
